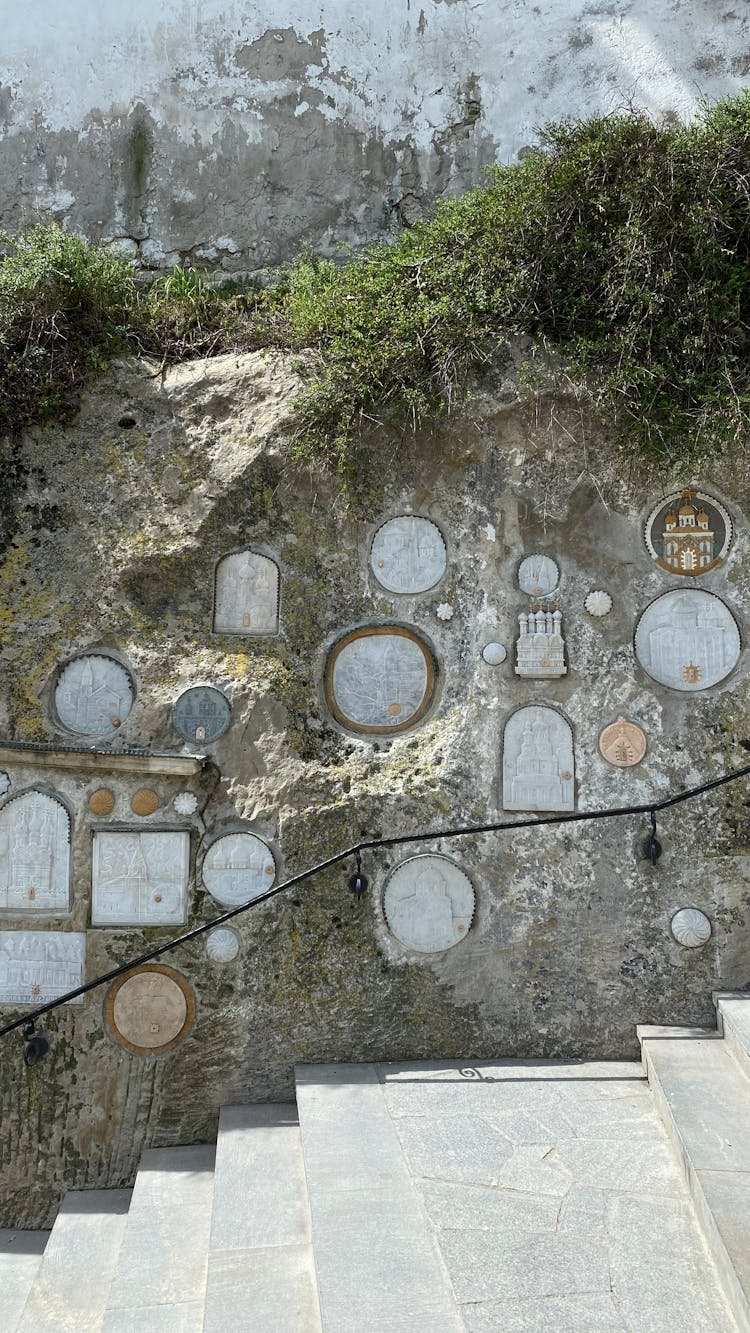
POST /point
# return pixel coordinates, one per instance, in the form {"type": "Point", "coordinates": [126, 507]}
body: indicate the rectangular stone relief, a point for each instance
{"type": "Point", "coordinates": [41, 965]}
{"type": "Point", "coordinates": [140, 879]}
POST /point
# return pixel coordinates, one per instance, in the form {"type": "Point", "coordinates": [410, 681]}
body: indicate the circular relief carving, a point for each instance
{"type": "Point", "coordinates": [691, 927]}
{"type": "Point", "coordinates": [687, 640]}
{"type": "Point", "coordinates": [408, 554]}
{"type": "Point", "coordinates": [494, 653]}
{"type": "Point", "coordinates": [380, 680]}
{"type": "Point", "coordinates": [237, 868]}
{"type": "Point", "coordinates": [598, 602]}
{"type": "Point", "coordinates": [202, 714]}
{"type": "Point", "coordinates": [150, 1010]}
{"type": "Point", "coordinates": [102, 801]}
{"type": "Point", "coordinates": [222, 945]}
{"type": "Point", "coordinates": [428, 903]}
{"type": "Point", "coordinates": [145, 801]}
{"type": "Point", "coordinates": [623, 743]}
{"type": "Point", "coordinates": [185, 803]}
{"type": "Point", "coordinates": [538, 575]}
{"type": "Point", "coordinates": [93, 695]}
{"type": "Point", "coordinates": [688, 533]}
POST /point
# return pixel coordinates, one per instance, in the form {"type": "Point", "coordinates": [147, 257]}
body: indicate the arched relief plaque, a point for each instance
{"type": "Point", "coordinates": [202, 714]}
{"type": "Point", "coordinates": [428, 903]}
{"type": "Point", "coordinates": [688, 533]}
{"type": "Point", "coordinates": [408, 554]}
{"type": "Point", "coordinates": [34, 854]}
{"type": "Point", "coordinates": [246, 597]}
{"type": "Point", "coordinates": [380, 680]}
{"type": "Point", "coordinates": [150, 1010]}
{"type": "Point", "coordinates": [93, 695]}
{"type": "Point", "coordinates": [538, 766]}
{"type": "Point", "coordinates": [238, 867]}
{"type": "Point", "coordinates": [688, 640]}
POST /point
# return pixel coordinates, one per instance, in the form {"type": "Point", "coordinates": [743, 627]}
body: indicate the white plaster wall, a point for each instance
{"type": "Point", "coordinates": [247, 107]}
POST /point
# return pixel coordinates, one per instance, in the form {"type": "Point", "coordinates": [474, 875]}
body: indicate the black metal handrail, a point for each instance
{"type": "Point", "coordinates": [650, 808]}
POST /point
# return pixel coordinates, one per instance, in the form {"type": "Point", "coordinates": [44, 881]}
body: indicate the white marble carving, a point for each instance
{"type": "Point", "coordinates": [380, 681]}
{"type": "Point", "coordinates": [185, 803]}
{"type": "Point", "coordinates": [540, 651]}
{"type": "Point", "coordinates": [4, 783]}
{"type": "Point", "coordinates": [598, 602]}
{"type": "Point", "coordinates": [691, 928]}
{"type": "Point", "coordinates": [94, 695]}
{"type": "Point", "coordinates": [247, 594]}
{"type": "Point", "coordinates": [34, 854]}
{"type": "Point", "coordinates": [237, 868]}
{"type": "Point", "coordinates": [408, 554]}
{"type": "Point", "coordinates": [444, 611]}
{"type": "Point", "coordinates": [140, 879]}
{"type": "Point", "coordinates": [41, 965]}
{"type": "Point", "coordinates": [538, 575]}
{"type": "Point", "coordinates": [538, 769]}
{"type": "Point", "coordinates": [687, 640]}
{"type": "Point", "coordinates": [428, 903]}
{"type": "Point", "coordinates": [494, 653]}
{"type": "Point", "coordinates": [222, 945]}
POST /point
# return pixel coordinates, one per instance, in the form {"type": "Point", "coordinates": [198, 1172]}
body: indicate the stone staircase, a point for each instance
{"type": "Point", "coordinates": [522, 1196]}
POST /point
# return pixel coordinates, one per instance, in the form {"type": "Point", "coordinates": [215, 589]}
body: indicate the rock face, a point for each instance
{"type": "Point", "coordinates": [113, 535]}
{"type": "Point", "coordinates": [231, 135]}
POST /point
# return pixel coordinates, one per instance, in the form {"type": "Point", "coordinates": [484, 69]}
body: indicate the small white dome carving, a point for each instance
{"type": "Point", "coordinates": [691, 928]}
{"type": "Point", "coordinates": [222, 945]}
{"type": "Point", "coordinates": [444, 611]}
{"type": "Point", "coordinates": [598, 603]}
{"type": "Point", "coordinates": [185, 803]}
{"type": "Point", "coordinates": [494, 653]}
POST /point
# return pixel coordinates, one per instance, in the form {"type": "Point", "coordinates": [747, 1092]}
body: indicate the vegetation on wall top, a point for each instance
{"type": "Point", "coordinates": [620, 245]}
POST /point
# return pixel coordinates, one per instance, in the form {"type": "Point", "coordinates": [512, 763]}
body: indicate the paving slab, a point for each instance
{"type": "Point", "coordinates": [552, 1314]}
{"type": "Point", "coordinates": [70, 1291]}
{"type": "Point", "coordinates": [733, 1018]}
{"type": "Point", "coordinates": [20, 1257]}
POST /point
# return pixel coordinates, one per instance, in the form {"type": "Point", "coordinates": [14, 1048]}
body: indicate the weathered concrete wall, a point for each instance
{"type": "Point", "coordinates": [111, 542]}
{"type": "Point", "coordinates": [232, 134]}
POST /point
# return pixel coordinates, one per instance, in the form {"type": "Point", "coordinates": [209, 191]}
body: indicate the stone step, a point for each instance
{"type": "Point", "coordinates": [733, 1019]}
{"type": "Point", "coordinates": [261, 1274]}
{"type": "Point", "coordinates": [20, 1256]}
{"type": "Point", "coordinates": [159, 1283]}
{"type": "Point", "coordinates": [704, 1099]}
{"type": "Point", "coordinates": [70, 1290]}
{"type": "Point", "coordinates": [378, 1265]}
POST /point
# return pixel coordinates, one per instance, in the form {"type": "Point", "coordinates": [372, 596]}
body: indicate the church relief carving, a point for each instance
{"type": "Point", "coordinates": [428, 903]}
{"type": "Point", "coordinates": [408, 554]}
{"type": "Point", "coordinates": [540, 651]}
{"type": "Point", "coordinates": [94, 695]}
{"type": "Point", "coordinates": [380, 680]}
{"type": "Point", "coordinates": [689, 533]}
{"type": "Point", "coordinates": [34, 854]}
{"type": "Point", "coordinates": [140, 879]}
{"type": "Point", "coordinates": [247, 594]}
{"type": "Point", "coordinates": [687, 640]}
{"type": "Point", "coordinates": [41, 965]}
{"type": "Point", "coordinates": [538, 767]}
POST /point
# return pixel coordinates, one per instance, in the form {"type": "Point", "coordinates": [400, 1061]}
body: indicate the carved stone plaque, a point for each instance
{"type": "Point", "coordinates": [428, 903]}
{"type": "Point", "coordinates": [139, 879]}
{"type": "Point", "coordinates": [202, 714]}
{"type": "Point", "coordinates": [540, 650]}
{"type": "Point", "coordinates": [538, 575]}
{"type": "Point", "coordinates": [538, 770]}
{"type": "Point", "coordinates": [151, 1009]}
{"type": "Point", "coordinates": [102, 801]}
{"type": "Point", "coordinates": [688, 533]}
{"type": "Point", "coordinates": [380, 680]}
{"type": "Point", "coordinates": [34, 854]}
{"type": "Point", "coordinates": [408, 554]}
{"type": "Point", "coordinates": [623, 743]}
{"type": "Point", "coordinates": [247, 594]}
{"type": "Point", "coordinates": [41, 965]}
{"type": "Point", "coordinates": [94, 695]}
{"type": "Point", "coordinates": [691, 927]}
{"type": "Point", "coordinates": [237, 868]}
{"type": "Point", "coordinates": [687, 640]}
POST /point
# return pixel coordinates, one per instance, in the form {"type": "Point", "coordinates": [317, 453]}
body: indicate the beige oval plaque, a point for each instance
{"type": "Point", "coordinates": [623, 743]}
{"type": "Point", "coordinates": [145, 801]}
{"type": "Point", "coordinates": [102, 801]}
{"type": "Point", "coordinates": [151, 1010]}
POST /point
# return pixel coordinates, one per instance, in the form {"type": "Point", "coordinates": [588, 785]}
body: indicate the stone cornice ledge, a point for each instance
{"type": "Point", "coordinates": [91, 760]}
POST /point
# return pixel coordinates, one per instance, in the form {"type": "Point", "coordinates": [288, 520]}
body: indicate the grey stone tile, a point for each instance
{"type": "Point", "coordinates": [546, 1124]}
{"type": "Point", "coordinates": [462, 1148]}
{"type": "Point", "coordinates": [583, 1212]}
{"type": "Point", "coordinates": [473, 1207]}
{"type": "Point", "coordinates": [71, 1288]}
{"type": "Point", "coordinates": [260, 1194]}
{"type": "Point", "coordinates": [647, 1166]}
{"type": "Point", "coordinates": [181, 1318]}
{"type": "Point", "coordinates": [576, 1314]}
{"type": "Point", "coordinates": [536, 1169]}
{"type": "Point", "coordinates": [707, 1095]}
{"type": "Point", "coordinates": [20, 1257]}
{"type": "Point", "coordinates": [727, 1195]}
{"type": "Point", "coordinates": [271, 1290]}
{"type": "Point", "coordinates": [492, 1266]}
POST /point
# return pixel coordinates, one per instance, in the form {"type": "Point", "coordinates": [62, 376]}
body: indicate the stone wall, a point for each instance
{"type": "Point", "coordinates": [231, 135]}
{"type": "Point", "coordinates": [110, 544]}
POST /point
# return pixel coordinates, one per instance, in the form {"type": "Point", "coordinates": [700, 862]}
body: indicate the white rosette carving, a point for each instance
{"type": "Point", "coordinates": [691, 928]}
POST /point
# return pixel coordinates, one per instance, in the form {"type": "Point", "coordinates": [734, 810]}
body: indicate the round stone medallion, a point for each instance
{"type": "Point", "coordinates": [623, 743]}
{"type": "Point", "coordinates": [538, 575]}
{"type": "Point", "coordinates": [202, 714]}
{"type": "Point", "coordinates": [380, 680]}
{"type": "Point", "coordinates": [145, 801]}
{"type": "Point", "coordinates": [102, 801]}
{"type": "Point", "coordinates": [150, 1010]}
{"type": "Point", "coordinates": [494, 653]}
{"type": "Point", "coordinates": [222, 945]}
{"type": "Point", "coordinates": [93, 695]}
{"type": "Point", "coordinates": [688, 533]}
{"type": "Point", "coordinates": [185, 803]}
{"type": "Point", "coordinates": [408, 554]}
{"type": "Point", "coordinates": [598, 602]}
{"type": "Point", "coordinates": [428, 903]}
{"type": "Point", "coordinates": [691, 927]}
{"type": "Point", "coordinates": [237, 868]}
{"type": "Point", "coordinates": [688, 640]}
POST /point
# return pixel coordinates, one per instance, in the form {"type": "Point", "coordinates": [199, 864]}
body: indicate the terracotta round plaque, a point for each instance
{"type": "Point", "coordinates": [102, 801]}
{"type": "Point", "coordinates": [623, 743]}
{"type": "Point", "coordinates": [145, 801]}
{"type": "Point", "coordinates": [151, 1009]}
